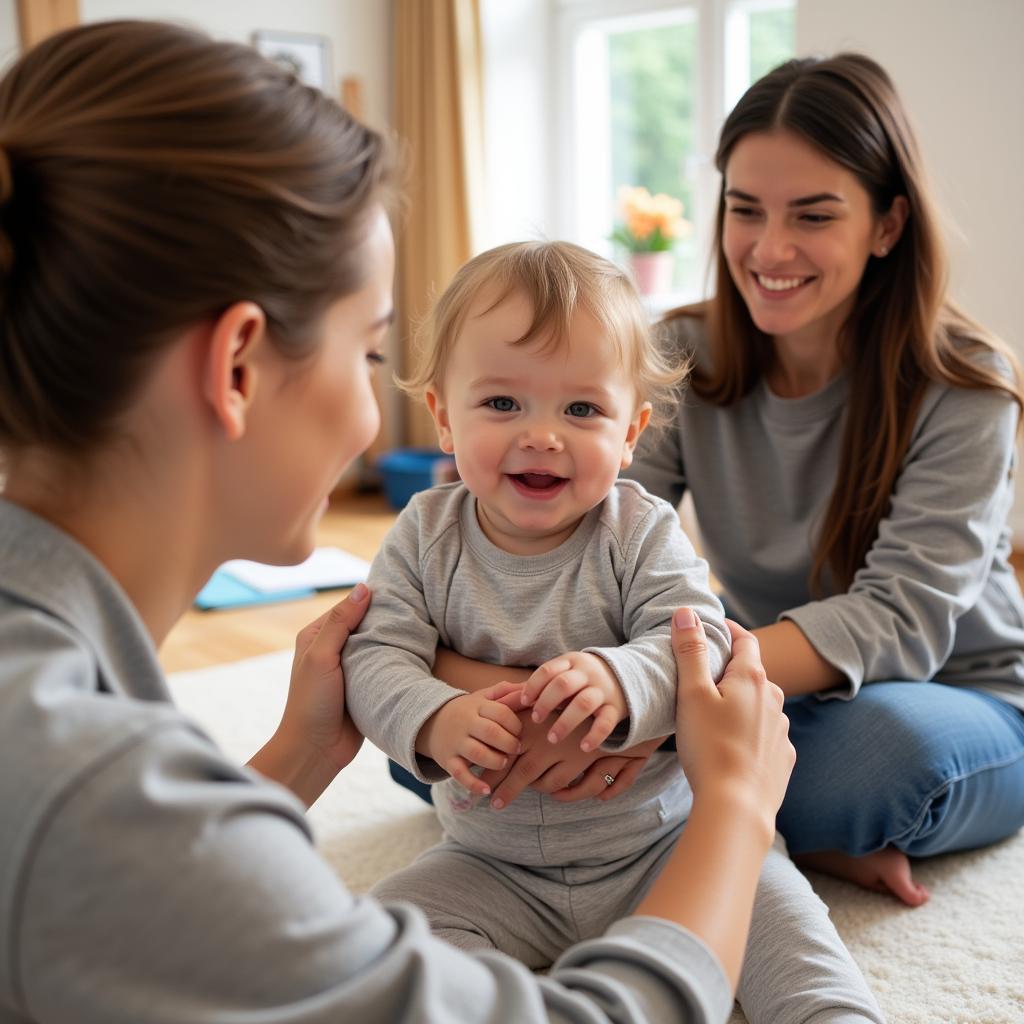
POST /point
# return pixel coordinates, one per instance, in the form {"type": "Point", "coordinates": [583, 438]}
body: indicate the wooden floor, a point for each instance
{"type": "Point", "coordinates": [356, 523]}
{"type": "Point", "coordinates": [201, 639]}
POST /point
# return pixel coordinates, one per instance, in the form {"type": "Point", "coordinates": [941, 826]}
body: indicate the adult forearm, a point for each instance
{"type": "Point", "coordinates": [709, 882]}
{"type": "Point", "coordinates": [792, 663]}
{"type": "Point", "coordinates": [306, 773]}
{"type": "Point", "coordinates": [469, 675]}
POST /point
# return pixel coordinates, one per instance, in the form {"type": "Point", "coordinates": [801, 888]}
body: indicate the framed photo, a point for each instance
{"type": "Point", "coordinates": [307, 56]}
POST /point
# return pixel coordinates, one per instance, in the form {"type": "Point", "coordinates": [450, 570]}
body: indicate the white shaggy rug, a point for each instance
{"type": "Point", "coordinates": [960, 958]}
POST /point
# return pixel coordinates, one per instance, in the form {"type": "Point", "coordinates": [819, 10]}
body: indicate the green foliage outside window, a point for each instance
{"type": "Point", "coordinates": [653, 118]}
{"type": "Point", "coordinates": [653, 96]}
{"type": "Point", "coordinates": [772, 40]}
{"type": "Point", "coordinates": [653, 93]}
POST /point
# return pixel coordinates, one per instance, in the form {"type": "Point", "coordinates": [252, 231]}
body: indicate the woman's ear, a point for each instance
{"type": "Point", "coordinates": [890, 227]}
{"type": "Point", "coordinates": [230, 373]}
{"type": "Point", "coordinates": [439, 411]}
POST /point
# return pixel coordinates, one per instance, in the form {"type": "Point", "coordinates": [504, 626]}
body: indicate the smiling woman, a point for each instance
{"type": "Point", "coordinates": [849, 445]}
{"type": "Point", "coordinates": [319, 414]}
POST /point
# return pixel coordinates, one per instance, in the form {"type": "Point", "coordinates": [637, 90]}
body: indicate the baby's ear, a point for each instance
{"type": "Point", "coordinates": [636, 427]}
{"type": "Point", "coordinates": [439, 411]}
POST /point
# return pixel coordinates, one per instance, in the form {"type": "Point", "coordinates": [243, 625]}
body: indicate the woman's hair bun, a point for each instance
{"type": "Point", "coordinates": [162, 176]}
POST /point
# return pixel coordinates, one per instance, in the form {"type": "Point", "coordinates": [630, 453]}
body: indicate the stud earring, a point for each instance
{"type": "Point", "coordinates": [883, 250]}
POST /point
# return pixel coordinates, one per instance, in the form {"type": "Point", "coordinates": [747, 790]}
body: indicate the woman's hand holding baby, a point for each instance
{"type": "Point", "coordinates": [586, 686]}
{"type": "Point", "coordinates": [733, 738]}
{"type": "Point", "coordinates": [473, 729]}
{"type": "Point", "coordinates": [316, 738]}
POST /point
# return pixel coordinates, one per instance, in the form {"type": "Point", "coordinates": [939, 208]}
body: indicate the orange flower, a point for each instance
{"type": "Point", "coordinates": [649, 223]}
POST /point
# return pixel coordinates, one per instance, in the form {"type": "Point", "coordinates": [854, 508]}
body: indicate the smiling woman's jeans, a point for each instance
{"type": "Point", "coordinates": [924, 767]}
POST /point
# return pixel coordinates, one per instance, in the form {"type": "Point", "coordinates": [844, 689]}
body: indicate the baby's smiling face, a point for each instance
{"type": "Point", "coordinates": [539, 431]}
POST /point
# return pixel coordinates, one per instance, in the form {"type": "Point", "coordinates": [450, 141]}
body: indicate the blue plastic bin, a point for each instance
{"type": "Point", "coordinates": [405, 471]}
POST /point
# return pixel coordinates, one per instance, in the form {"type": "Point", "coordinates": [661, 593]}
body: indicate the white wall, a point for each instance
{"type": "Point", "coordinates": [359, 31]}
{"type": "Point", "coordinates": [958, 66]}
{"type": "Point", "coordinates": [8, 33]}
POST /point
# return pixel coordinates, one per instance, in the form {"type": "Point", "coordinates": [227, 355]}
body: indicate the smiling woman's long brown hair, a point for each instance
{"type": "Point", "coordinates": [904, 331]}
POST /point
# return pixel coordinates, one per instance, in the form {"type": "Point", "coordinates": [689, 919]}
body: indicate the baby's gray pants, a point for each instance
{"type": "Point", "coordinates": [796, 969]}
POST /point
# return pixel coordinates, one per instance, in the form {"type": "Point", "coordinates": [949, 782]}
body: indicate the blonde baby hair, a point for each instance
{"type": "Point", "coordinates": [558, 279]}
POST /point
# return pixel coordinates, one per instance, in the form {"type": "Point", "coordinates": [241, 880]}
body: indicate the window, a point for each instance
{"type": "Point", "coordinates": [645, 86]}
{"type": "Point", "coordinates": [759, 35]}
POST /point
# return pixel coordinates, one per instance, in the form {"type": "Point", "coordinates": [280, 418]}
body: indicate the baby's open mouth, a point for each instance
{"type": "Point", "coordinates": [538, 481]}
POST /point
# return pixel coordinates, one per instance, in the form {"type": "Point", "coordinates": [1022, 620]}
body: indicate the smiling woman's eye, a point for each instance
{"type": "Point", "coordinates": [743, 212]}
{"type": "Point", "coordinates": [816, 218]}
{"type": "Point", "coordinates": [581, 410]}
{"type": "Point", "coordinates": [377, 358]}
{"type": "Point", "coordinates": [502, 404]}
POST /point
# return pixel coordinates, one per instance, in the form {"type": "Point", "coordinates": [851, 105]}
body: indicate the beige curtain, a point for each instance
{"type": "Point", "coordinates": [438, 115]}
{"type": "Point", "coordinates": [38, 19]}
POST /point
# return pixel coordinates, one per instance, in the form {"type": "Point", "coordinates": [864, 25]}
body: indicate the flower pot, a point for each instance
{"type": "Point", "coordinates": [652, 272]}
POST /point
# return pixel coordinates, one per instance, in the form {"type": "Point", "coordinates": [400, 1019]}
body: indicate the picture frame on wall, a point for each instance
{"type": "Point", "coordinates": [307, 55]}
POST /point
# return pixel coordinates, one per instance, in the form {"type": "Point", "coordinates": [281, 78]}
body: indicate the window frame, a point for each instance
{"type": "Point", "coordinates": [718, 72]}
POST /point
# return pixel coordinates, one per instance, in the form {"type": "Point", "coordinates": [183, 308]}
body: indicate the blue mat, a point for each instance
{"type": "Point", "coordinates": [224, 591]}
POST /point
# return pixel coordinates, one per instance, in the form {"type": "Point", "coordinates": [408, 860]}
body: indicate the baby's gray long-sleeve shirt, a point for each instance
{"type": "Point", "coordinates": [145, 879]}
{"type": "Point", "coordinates": [610, 589]}
{"type": "Point", "coordinates": [937, 597]}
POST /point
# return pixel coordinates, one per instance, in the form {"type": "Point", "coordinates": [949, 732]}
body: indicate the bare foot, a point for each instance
{"type": "Point", "coordinates": [886, 871]}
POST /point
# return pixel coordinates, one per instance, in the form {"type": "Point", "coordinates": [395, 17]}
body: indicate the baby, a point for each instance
{"type": "Point", "coordinates": [540, 375]}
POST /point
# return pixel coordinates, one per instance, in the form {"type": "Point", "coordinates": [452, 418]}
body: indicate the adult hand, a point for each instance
{"type": "Point", "coordinates": [732, 738]}
{"type": "Point", "coordinates": [734, 746]}
{"type": "Point", "coordinates": [562, 769]}
{"type": "Point", "coordinates": [314, 715]}
{"type": "Point", "coordinates": [315, 738]}
{"type": "Point", "coordinates": [466, 674]}
{"type": "Point", "coordinates": [624, 768]}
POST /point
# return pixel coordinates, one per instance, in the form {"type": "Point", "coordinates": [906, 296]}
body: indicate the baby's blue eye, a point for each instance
{"type": "Point", "coordinates": [582, 410]}
{"type": "Point", "coordinates": [502, 404]}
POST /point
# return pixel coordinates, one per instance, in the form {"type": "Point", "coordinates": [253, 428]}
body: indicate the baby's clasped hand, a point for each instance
{"type": "Point", "coordinates": [474, 729]}
{"type": "Point", "coordinates": [585, 685]}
